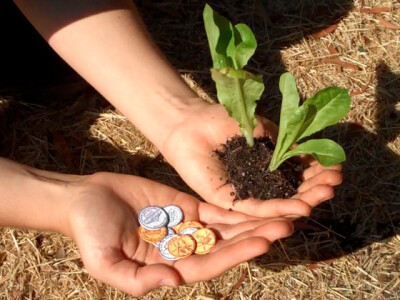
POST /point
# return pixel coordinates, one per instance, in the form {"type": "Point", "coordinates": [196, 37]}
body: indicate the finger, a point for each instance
{"type": "Point", "coordinates": [272, 208]}
{"type": "Point", "coordinates": [228, 231]}
{"type": "Point", "coordinates": [213, 265]}
{"type": "Point", "coordinates": [266, 127]}
{"type": "Point", "coordinates": [306, 160]}
{"type": "Point", "coordinates": [317, 168]}
{"type": "Point", "coordinates": [271, 231]}
{"type": "Point", "coordinates": [222, 197]}
{"type": "Point", "coordinates": [327, 177]}
{"type": "Point", "coordinates": [210, 214]}
{"type": "Point", "coordinates": [127, 276]}
{"type": "Point", "coordinates": [316, 195]}
{"type": "Point", "coordinates": [251, 245]}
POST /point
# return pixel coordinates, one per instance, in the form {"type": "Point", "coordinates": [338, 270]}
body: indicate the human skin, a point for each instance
{"type": "Point", "coordinates": [107, 43]}
{"type": "Point", "coordinates": [100, 212]}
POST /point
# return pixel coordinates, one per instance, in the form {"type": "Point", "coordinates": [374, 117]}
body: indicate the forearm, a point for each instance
{"type": "Point", "coordinates": [32, 198]}
{"type": "Point", "coordinates": [107, 43]}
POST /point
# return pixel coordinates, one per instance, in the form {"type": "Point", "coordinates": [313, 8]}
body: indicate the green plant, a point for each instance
{"type": "Point", "coordinates": [325, 108]}
{"type": "Point", "coordinates": [231, 48]}
{"type": "Point", "coordinates": [238, 90]}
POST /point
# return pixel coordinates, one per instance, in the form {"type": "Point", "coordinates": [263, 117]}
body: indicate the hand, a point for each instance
{"type": "Point", "coordinates": [189, 149]}
{"type": "Point", "coordinates": [103, 221]}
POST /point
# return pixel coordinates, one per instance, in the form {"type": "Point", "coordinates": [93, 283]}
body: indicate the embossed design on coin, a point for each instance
{"type": "Point", "coordinates": [189, 230]}
{"type": "Point", "coordinates": [175, 215]}
{"type": "Point", "coordinates": [152, 236]}
{"type": "Point", "coordinates": [205, 239]}
{"type": "Point", "coordinates": [153, 217]}
{"type": "Point", "coordinates": [181, 246]}
{"type": "Point", "coordinates": [163, 248]}
{"type": "Point", "coordinates": [177, 227]}
{"type": "Point", "coordinates": [190, 224]}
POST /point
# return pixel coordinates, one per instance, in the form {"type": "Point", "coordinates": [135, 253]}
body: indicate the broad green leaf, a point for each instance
{"type": "Point", "coordinates": [290, 96]}
{"type": "Point", "coordinates": [288, 136]}
{"type": "Point", "coordinates": [245, 45]}
{"type": "Point", "coordinates": [229, 46]}
{"type": "Point", "coordinates": [325, 151]}
{"type": "Point", "coordinates": [238, 91]}
{"type": "Point", "coordinates": [290, 102]}
{"type": "Point", "coordinates": [221, 40]}
{"type": "Point", "coordinates": [331, 105]}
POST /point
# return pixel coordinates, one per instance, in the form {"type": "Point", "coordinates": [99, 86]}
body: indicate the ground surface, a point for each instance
{"type": "Point", "coordinates": [348, 249]}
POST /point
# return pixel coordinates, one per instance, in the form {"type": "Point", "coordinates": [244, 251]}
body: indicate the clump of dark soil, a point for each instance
{"type": "Point", "coordinates": [247, 169]}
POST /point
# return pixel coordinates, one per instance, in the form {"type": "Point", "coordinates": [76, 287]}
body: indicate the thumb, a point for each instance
{"type": "Point", "coordinates": [127, 276]}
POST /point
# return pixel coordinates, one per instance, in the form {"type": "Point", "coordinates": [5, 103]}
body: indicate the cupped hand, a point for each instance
{"type": "Point", "coordinates": [190, 150]}
{"type": "Point", "coordinates": [102, 219]}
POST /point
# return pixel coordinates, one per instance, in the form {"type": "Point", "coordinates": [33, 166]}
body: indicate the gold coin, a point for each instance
{"type": "Point", "coordinates": [182, 246]}
{"type": "Point", "coordinates": [190, 224]}
{"type": "Point", "coordinates": [152, 236]}
{"type": "Point", "coordinates": [205, 240]}
{"type": "Point", "coordinates": [177, 227]}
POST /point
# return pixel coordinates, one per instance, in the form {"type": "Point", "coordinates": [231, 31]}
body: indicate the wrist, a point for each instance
{"type": "Point", "coordinates": [168, 113]}
{"type": "Point", "coordinates": [34, 199]}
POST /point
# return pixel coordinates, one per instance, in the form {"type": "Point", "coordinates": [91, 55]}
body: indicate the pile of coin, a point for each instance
{"type": "Point", "coordinates": [163, 228]}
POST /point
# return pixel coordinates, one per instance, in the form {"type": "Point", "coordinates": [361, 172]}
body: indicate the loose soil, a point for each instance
{"type": "Point", "coordinates": [247, 169]}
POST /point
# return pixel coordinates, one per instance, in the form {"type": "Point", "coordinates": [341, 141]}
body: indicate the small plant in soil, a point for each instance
{"type": "Point", "coordinates": [259, 167]}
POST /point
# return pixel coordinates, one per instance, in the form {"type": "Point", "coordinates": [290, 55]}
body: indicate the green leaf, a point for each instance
{"type": "Point", "coordinates": [290, 103]}
{"type": "Point", "coordinates": [326, 108]}
{"type": "Point", "coordinates": [221, 39]}
{"type": "Point", "coordinates": [331, 105]}
{"type": "Point", "coordinates": [229, 46]}
{"type": "Point", "coordinates": [245, 45]}
{"type": "Point", "coordinates": [238, 91]}
{"type": "Point", "coordinates": [293, 127]}
{"type": "Point", "coordinates": [325, 151]}
{"type": "Point", "coordinates": [288, 137]}
{"type": "Point", "coordinates": [289, 110]}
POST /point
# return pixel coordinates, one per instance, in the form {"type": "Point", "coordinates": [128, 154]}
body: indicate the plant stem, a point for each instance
{"type": "Point", "coordinates": [276, 159]}
{"type": "Point", "coordinates": [274, 165]}
{"type": "Point", "coordinates": [247, 129]}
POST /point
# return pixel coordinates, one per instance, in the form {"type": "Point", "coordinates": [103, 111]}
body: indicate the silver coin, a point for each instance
{"type": "Point", "coordinates": [153, 217]}
{"type": "Point", "coordinates": [170, 231]}
{"type": "Point", "coordinates": [175, 215]}
{"type": "Point", "coordinates": [189, 230]}
{"type": "Point", "coordinates": [163, 248]}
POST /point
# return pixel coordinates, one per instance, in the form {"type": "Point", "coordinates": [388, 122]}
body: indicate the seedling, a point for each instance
{"type": "Point", "coordinates": [238, 90]}
{"type": "Point", "coordinates": [231, 48]}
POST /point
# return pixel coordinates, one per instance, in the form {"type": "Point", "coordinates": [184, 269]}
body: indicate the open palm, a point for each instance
{"type": "Point", "coordinates": [189, 149]}
{"type": "Point", "coordinates": [103, 222]}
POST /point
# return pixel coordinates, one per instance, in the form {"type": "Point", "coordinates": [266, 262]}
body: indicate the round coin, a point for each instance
{"type": "Point", "coordinates": [177, 227]}
{"type": "Point", "coordinates": [163, 248]}
{"type": "Point", "coordinates": [189, 230]}
{"type": "Point", "coordinates": [182, 246]}
{"type": "Point", "coordinates": [170, 231]}
{"type": "Point", "coordinates": [190, 224]}
{"type": "Point", "coordinates": [152, 236]}
{"type": "Point", "coordinates": [205, 239]}
{"type": "Point", "coordinates": [175, 215]}
{"type": "Point", "coordinates": [153, 217]}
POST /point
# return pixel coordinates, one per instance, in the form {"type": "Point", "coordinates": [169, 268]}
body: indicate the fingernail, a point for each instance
{"type": "Point", "coordinates": [167, 282]}
{"type": "Point", "coordinates": [293, 217]}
